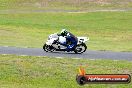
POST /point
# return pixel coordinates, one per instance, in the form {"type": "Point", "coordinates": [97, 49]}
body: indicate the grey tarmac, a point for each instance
{"type": "Point", "coordinates": [89, 54]}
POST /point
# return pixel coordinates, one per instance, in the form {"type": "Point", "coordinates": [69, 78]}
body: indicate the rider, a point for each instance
{"type": "Point", "coordinates": [71, 40]}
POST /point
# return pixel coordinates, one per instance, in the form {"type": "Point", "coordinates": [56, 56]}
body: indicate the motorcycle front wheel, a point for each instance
{"type": "Point", "coordinates": [48, 48]}
{"type": "Point", "coordinates": [80, 48]}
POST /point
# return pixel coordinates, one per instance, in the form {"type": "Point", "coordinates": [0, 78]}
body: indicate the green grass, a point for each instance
{"type": "Point", "coordinates": [44, 72]}
{"type": "Point", "coordinates": [65, 4]}
{"type": "Point", "coordinates": [106, 30]}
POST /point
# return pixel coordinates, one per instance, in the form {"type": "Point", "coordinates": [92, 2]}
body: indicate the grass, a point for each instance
{"type": "Point", "coordinates": [65, 4]}
{"type": "Point", "coordinates": [107, 30]}
{"type": "Point", "coordinates": [45, 72]}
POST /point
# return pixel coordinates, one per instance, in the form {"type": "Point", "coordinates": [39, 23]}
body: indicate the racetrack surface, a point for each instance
{"type": "Point", "coordinates": [89, 54]}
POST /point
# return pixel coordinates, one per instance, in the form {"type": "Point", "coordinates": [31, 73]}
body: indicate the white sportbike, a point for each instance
{"type": "Point", "coordinates": [54, 43]}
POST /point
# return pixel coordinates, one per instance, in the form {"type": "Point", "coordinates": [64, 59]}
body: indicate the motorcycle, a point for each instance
{"type": "Point", "coordinates": [54, 44]}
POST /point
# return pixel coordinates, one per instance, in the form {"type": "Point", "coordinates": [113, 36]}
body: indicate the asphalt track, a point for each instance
{"type": "Point", "coordinates": [89, 54]}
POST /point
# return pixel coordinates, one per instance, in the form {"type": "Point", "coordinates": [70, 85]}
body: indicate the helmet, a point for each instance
{"type": "Point", "coordinates": [64, 32]}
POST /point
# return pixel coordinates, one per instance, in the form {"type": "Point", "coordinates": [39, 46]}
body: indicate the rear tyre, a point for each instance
{"type": "Point", "coordinates": [80, 48]}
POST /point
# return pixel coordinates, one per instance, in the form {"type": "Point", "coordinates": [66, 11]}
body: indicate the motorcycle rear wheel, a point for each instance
{"type": "Point", "coordinates": [80, 48]}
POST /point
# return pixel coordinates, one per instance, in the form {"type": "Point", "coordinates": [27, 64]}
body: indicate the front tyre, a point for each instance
{"type": "Point", "coordinates": [80, 48]}
{"type": "Point", "coordinates": [48, 48]}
